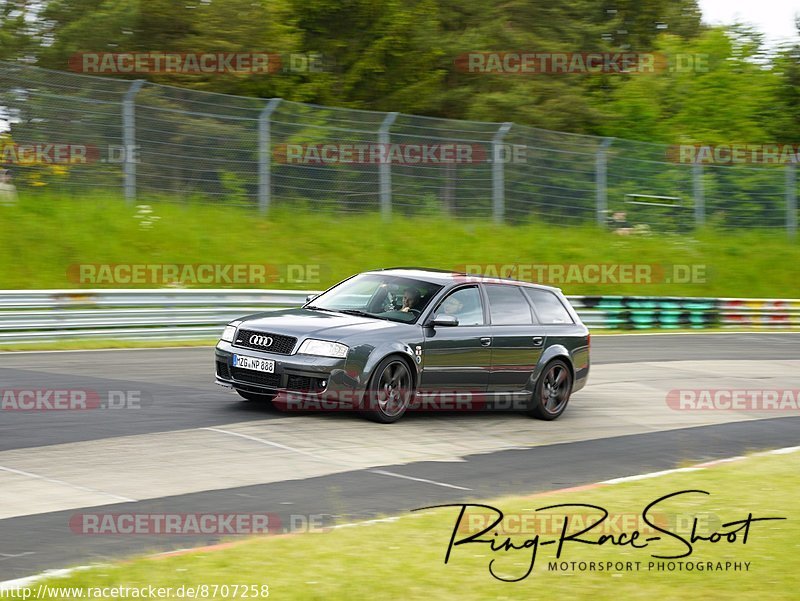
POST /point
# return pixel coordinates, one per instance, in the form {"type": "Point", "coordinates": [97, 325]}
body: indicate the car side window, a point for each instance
{"type": "Point", "coordinates": [548, 307]}
{"type": "Point", "coordinates": [465, 305]}
{"type": "Point", "coordinates": [508, 306]}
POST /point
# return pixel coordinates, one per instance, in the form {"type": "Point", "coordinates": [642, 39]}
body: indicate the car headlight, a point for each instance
{"type": "Point", "coordinates": [230, 331]}
{"type": "Point", "coordinates": [323, 348]}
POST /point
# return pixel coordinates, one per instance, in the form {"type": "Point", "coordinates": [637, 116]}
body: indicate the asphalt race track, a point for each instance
{"type": "Point", "coordinates": [190, 446]}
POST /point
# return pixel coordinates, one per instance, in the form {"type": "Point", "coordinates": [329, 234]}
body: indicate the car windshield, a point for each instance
{"type": "Point", "coordinates": [380, 296]}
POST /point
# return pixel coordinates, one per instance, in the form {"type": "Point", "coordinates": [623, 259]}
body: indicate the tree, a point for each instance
{"type": "Point", "coordinates": [786, 116]}
{"type": "Point", "coordinates": [16, 28]}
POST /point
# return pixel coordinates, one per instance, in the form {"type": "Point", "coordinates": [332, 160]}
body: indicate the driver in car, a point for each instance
{"type": "Point", "coordinates": [410, 300]}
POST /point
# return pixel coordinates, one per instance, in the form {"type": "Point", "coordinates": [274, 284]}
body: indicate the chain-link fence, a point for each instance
{"type": "Point", "coordinates": [142, 140]}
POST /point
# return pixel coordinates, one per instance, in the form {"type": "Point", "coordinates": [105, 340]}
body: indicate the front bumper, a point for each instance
{"type": "Point", "coordinates": [302, 375]}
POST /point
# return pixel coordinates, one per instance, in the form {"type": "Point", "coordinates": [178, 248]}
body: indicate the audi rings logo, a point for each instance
{"type": "Point", "coordinates": [261, 340]}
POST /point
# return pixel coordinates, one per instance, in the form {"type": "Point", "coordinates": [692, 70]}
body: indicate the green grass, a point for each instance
{"type": "Point", "coordinates": [404, 559]}
{"type": "Point", "coordinates": [43, 236]}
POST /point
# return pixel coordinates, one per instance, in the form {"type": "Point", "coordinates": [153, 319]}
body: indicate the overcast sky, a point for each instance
{"type": "Point", "coordinates": [774, 18]}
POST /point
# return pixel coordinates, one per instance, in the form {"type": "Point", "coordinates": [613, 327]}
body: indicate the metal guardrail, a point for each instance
{"type": "Point", "coordinates": [44, 315]}
{"type": "Point", "coordinates": [181, 314]}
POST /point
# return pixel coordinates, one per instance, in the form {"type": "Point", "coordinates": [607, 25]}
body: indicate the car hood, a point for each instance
{"type": "Point", "coordinates": [305, 323]}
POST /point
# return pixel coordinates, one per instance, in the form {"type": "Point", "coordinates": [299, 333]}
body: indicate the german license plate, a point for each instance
{"type": "Point", "coordinates": [254, 363]}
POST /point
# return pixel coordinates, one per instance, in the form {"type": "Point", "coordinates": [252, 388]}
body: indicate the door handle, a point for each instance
{"type": "Point", "coordinates": [486, 341]}
{"type": "Point", "coordinates": [538, 341]}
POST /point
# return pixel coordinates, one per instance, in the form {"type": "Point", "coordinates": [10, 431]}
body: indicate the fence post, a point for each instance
{"type": "Point", "coordinates": [791, 200]}
{"type": "Point", "coordinates": [385, 167]}
{"type": "Point", "coordinates": [699, 198]}
{"type": "Point", "coordinates": [129, 140]}
{"type": "Point", "coordinates": [600, 171]}
{"type": "Point", "coordinates": [499, 174]}
{"type": "Point", "coordinates": [265, 155]}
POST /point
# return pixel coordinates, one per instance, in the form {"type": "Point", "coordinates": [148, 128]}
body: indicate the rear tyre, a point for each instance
{"type": "Point", "coordinates": [256, 397]}
{"type": "Point", "coordinates": [390, 391]}
{"type": "Point", "coordinates": [552, 392]}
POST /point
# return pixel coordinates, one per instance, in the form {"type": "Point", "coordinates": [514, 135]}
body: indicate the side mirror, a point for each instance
{"type": "Point", "coordinates": [443, 320]}
{"type": "Point", "coordinates": [311, 297]}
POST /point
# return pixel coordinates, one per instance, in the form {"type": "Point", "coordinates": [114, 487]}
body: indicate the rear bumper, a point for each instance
{"type": "Point", "coordinates": [305, 375]}
{"type": "Point", "coordinates": [581, 377]}
{"type": "Point", "coordinates": [581, 362]}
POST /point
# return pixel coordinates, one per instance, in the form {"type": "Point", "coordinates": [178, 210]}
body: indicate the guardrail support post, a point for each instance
{"type": "Point", "coordinates": [600, 171]}
{"type": "Point", "coordinates": [385, 167]}
{"type": "Point", "coordinates": [265, 155]}
{"type": "Point", "coordinates": [791, 200]}
{"type": "Point", "coordinates": [499, 174]}
{"type": "Point", "coordinates": [699, 197]}
{"type": "Point", "coordinates": [129, 140]}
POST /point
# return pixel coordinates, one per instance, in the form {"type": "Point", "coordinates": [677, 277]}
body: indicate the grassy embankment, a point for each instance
{"type": "Point", "coordinates": [44, 237]}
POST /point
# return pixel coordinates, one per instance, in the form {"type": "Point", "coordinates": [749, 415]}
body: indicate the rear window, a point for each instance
{"type": "Point", "coordinates": [548, 307]}
{"type": "Point", "coordinates": [507, 306]}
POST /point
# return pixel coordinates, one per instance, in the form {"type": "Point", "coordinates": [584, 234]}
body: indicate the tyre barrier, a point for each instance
{"type": "Point", "coordinates": [636, 312]}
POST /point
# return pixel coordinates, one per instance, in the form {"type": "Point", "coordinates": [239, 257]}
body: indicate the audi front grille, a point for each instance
{"type": "Point", "coordinates": [282, 345]}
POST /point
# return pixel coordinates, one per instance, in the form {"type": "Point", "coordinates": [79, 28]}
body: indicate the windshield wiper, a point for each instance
{"type": "Point", "coordinates": [313, 308]}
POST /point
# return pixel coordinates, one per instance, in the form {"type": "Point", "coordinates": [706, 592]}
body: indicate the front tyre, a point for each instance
{"type": "Point", "coordinates": [256, 397]}
{"type": "Point", "coordinates": [552, 392]}
{"type": "Point", "coordinates": [390, 391]}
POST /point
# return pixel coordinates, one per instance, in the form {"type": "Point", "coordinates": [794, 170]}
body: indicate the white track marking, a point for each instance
{"type": "Point", "coordinates": [326, 460]}
{"type": "Point", "coordinates": [700, 466]}
{"type": "Point", "coordinates": [20, 583]}
{"type": "Point", "coordinates": [68, 484]}
{"type": "Point", "coordinates": [389, 520]}
{"type": "Point", "coordinates": [280, 446]}
{"type": "Point", "coordinates": [650, 475]}
{"type": "Point", "coordinates": [4, 556]}
{"type": "Point", "coordinates": [784, 451]}
{"type": "Point", "coordinates": [385, 473]}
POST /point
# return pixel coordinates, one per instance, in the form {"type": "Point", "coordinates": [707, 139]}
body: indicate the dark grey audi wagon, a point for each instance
{"type": "Point", "coordinates": [388, 340]}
